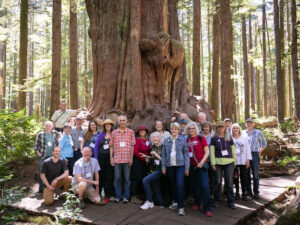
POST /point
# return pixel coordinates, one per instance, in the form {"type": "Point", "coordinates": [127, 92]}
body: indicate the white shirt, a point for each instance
{"type": "Point", "coordinates": [173, 153]}
{"type": "Point", "coordinates": [242, 150]}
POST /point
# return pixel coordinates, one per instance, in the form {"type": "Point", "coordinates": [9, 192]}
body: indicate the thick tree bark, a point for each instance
{"type": "Point", "coordinates": [216, 61]}
{"type": "Point", "coordinates": [265, 77]}
{"type": "Point", "coordinates": [56, 56]}
{"type": "Point", "coordinates": [139, 70]}
{"type": "Point", "coordinates": [226, 84]}
{"type": "Point", "coordinates": [86, 81]}
{"type": "Point", "coordinates": [251, 68]}
{"type": "Point", "coordinates": [279, 78]}
{"type": "Point", "coordinates": [23, 53]}
{"type": "Point", "coordinates": [283, 59]}
{"type": "Point", "coordinates": [73, 55]}
{"type": "Point", "coordinates": [289, 67]}
{"type": "Point", "coordinates": [209, 74]}
{"type": "Point", "coordinates": [246, 69]}
{"type": "Point", "coordinates": [295, 68]}
{"type": "Point", "coordinates": [196, 47]}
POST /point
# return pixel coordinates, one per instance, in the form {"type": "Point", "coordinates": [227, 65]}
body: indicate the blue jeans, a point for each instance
{"type": "Point", "coordinates": [201, 187]}
{"type": "Point", "coordinates": [118, 168]}
{"type": "Point", "coordinates": [176, 176]}
{"type": "Point", "coordinates": [254, 163]}
{"type": "Point", "coordinates": [153, 178]}
{"type": "Point", "coordinates": [228, 176]}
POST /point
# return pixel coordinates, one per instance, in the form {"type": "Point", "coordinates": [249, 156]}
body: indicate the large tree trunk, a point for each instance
{"type": "Point", "coordinates": [265, 88]}
{"type": "Point", "coordinates": [289, 68]}
{"type": "Point", "coordinates": [209, 53]}
{"type": "Point", "coordinates": [216, 61]}
{"type": "Point", "coordinates": [251, 68]}
{"type": "Point", "coordinates": [279, 78]}
{"type": "Point", "coordinates": [137, 60]}
{"type": "Point", "coordinates": [283, 59]}
{"type": "Point", "coordinates": [257, 76]}
{"type": "Point", "coordinates": [31, 61]}
{"type": "Point", "coordinates": [226, 84]}
{"type": "Point", "coordinates": [196, 47]}
{"type": "Point", "coordinates": [56, 56]}
{"type": "Point", "coordinates": [86, 81]}
{"type": "Point", "coordinates": [246, 69]}
{"type": "Point", "coordinates": [73, 55]}
{"type": "Point", "coordinates": [23, 53]}
{"type": "Point", "coordinates": [295, 68]}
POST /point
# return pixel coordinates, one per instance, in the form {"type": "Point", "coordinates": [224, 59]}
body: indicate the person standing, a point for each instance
{"type": "Point", "coordinates": [86, 174]}
{"type": "Point", "coordinates": [77, 136]}
{"type": "Point", "coordinates": [101, 153]}
{"type": "Point", "coordinates": [140, 163]}
{"type": "Point", "coordinates": [66, 145]}
{"type": "Point", "coordinates": [44, 144]}
{"type": "Point", "coordinates": [223, 161]}
{"type": "Point", "coordinates": [55, 175]}
{"type": "Point", "coordinates": [243, 157]}
{"type": "Point", "coordinates": [228, 123]}
{"type": "Point", "coordinates": [198, 153]}
{"type": "Point", "coordinates": [176, 162]}
{"type": "Point", "coordinates": [160, 129]}
{"type": "Point", "coordinates": [90, 136]}
{"type": "Point", "coordinates": [121, 144]}
{"type": "Point", "coordinates": [62, 116]}
{"type": "Point", "coordinates": [257, 144]}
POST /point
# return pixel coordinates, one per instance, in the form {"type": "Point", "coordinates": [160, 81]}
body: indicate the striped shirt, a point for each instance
{"type": "Point", "coordinates": [122, 144]}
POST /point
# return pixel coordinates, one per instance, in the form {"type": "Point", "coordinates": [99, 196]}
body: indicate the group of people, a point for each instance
{"type": "Point", "coordinates": [110, 163]}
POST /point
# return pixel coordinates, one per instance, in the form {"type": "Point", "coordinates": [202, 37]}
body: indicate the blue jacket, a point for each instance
{"type": "Point", "coordinates": [66, 145]}
{"type": "Point", "coordinates": [182, 153]}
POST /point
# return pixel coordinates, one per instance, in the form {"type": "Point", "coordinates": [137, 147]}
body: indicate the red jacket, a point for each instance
{"type": "Point", "coordinates": [141, 146]}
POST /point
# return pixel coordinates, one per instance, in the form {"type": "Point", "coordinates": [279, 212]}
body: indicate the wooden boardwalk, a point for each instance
{"type": "Point", "coordinates": [125, 214]}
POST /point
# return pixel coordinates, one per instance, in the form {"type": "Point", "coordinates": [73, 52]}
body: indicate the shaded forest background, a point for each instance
{"type": "Point", "coordinates": [240, 55]}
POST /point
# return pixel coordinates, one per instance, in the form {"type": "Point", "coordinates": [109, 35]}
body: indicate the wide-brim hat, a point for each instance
{"type": "Point", "coordinates": [108, 121]}
{"type": "Point", "coordinates": [141, 128]}
{"type": "Point", "coordinates": [220, 124]}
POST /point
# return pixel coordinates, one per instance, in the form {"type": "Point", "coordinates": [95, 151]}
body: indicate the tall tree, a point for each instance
{"type": "Point", "coordinates": [257, 75]}
{"type": "Point", "coordinates": [56, 56]}
{"type": "Point", "coordinates": [23, 53]}
{"type": "Point", "coordinates": [289, 68]}
{"type": "Point", "coordinates": [251, 68]}
{"type": "Point", "coordinates": [279, 78]}
{"type": "Point", "coordinates": [209, 53]}
{"type": "Point", "coordinates": [86, 81]}
{"type": "Point", "coordinates": [2, 74]}
{"type": "Point", "coordinates": [295, 68]}
{"type": "Point", "coordinates": [216, 62]}
{"type": "Point", "coordinates": [73, 55]}
{"type": "Point", "coordinates": [265, 88]}
{"type": "Point", "coordinates": [31, 60]}
{"type": "Point", "coordinates": [196, 47]}
{"type": "Point", "coordinates": [226, 59]}
{"type": "Point", "coordinates": [246, 68]}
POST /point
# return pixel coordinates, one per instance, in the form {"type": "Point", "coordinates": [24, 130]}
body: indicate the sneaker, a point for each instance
{"type": "Point", "coordinates": [136, 200]}
{"type": "Point", "coordinates": [117, 200]}
{"type": "Point", "coordinates": [195, 207]}
{"type": "Point", "coordinates": [181, 212]}
{"type": "Point", "coordinates": [125, 201]}
{"type": "Point", "coordinates": [216, 204]}
{"type": "Point", "coordinates": [147, 205]}
{"type": "Point", "coordinates": [112, 199]}
{"type": "Point", "coordinates": [173, 205]}
{"type": "Point", "coordinates": [81, 204]}
{"type": "Point", "coordinates": [208, 214]}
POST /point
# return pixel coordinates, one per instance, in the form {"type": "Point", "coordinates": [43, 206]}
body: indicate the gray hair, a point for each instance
{"type": "Point", "coordinates": [186, 131]}
{"type": "Point", "coordinates": [235, 125]}
{"type": "Point", "coordinates": [48, 122]}
{"type": "Point", "coordinates": [155, 134]}
{"type": "Point", "coordinates": [122, 116]}
{"type": "Point", "coordinates": [175, 124]}
{"type": "Point", "coordinates": [226, 134]}
{"type": "Point", "coordinates": [202, 114]}
{"type": "Point", "coordinates": [87, 147]}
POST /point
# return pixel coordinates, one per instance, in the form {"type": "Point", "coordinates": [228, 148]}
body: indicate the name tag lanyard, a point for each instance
{"type": "Point", "coordinates": [85, 169]}
{"type": "Point", "coordinates": [252, 137]}
{"type": "Point", "coordinates": [223, 150]}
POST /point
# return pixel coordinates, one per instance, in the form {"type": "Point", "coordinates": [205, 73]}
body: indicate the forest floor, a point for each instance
{"type": "Point", "coordinates": [131, 213]}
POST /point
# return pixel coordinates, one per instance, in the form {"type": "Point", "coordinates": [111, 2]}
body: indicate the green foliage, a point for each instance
{"type": "Point", "coordinates": [286, 160]}
{"type": "Point", "coordinates": [287, 126]}
{"type": "Point", "coordinates": [70, 211]}
{"type": "Point", "coordinates": [17, 136]}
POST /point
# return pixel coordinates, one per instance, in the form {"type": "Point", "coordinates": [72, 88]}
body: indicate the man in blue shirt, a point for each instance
{"type": "Point", "coordinates": [257, 144]}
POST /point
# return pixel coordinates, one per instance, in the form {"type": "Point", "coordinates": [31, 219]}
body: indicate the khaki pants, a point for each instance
{"type": "Point", "coordinates": [89, 192]}
{"type": "Point", "coordinates": [49, 195]}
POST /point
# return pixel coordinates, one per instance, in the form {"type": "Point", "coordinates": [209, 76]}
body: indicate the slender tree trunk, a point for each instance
{"type": "Point", "coordinates": [246, 68]}
{"type": "Point", "coordinates": [23, 53]}
{"type": "Point", "coordinates": [236, 89]}
{"type": "Point", "coordinates": [289, 68]}
{"type": "Point", "coordinates": [265, 76]}
{"type": "Point", "coordinates": [216, 61]}
{"type": "Point", "coordinates": [86, 81]}
{"type": "Point", "coordinates": [257, 76]}
{"type": "Point", "coordinates": [252, 78]}
{"type": "Point", "coordinates": [295, 68]}
{"type": "Point", "coordinates": [279, 77]}
{"type": "Point", "coordinates": [2, 74]}
{"type": "Point", "coordinates": [190, 78]}
{"type": "Point", "coordinates": [14, 103]}
{"type": "Point", "coordinates": [209, 53]}
{"type": "Point", "coordinates": [31, 62]}
{"type": "Point", "coordinates": [226, 84]}
{"type": "Point", "coordinates": [56, 56]}
{"type": "Point", "coordinates": [201, 56]}
{"type": "Point", "coordinates": [283, 59]}
{"type": "Point", "coordinates": [73, 55]}
{"type": "Point", "coordinates": [196, 48]}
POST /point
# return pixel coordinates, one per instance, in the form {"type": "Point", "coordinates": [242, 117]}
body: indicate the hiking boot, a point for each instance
{"type": "Point", "coordinates": [181, 212]}
{"type": "Point", "coordinates": [81, 204]}
{"type": "Point", "coordinates": [147, 205]}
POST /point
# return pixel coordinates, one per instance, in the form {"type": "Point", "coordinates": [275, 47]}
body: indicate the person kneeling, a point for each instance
{"type": "Point", "coordinates": [85, 169]}
{"type": "Point", "coordinates": [55, 175]}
